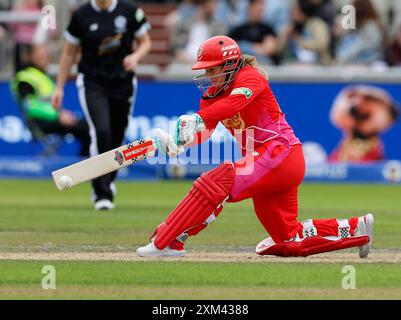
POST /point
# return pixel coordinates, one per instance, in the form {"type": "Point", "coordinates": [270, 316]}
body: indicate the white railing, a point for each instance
{"type": "Point", "coordinates": [6, 47]}
{"type": "Point", "coordinates": [286, 73]}
{"type": "Point", "coordinates": [11, 16]}
{"type": "Point", "coordinates": [297, 73]}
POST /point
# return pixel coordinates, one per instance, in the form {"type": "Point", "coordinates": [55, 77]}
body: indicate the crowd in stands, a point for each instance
{"type": "Point", "coordinates": [277, 32]}
{"type": "Point", "coordinates": [303, 32]}
{"type": "Point", "coordinates": [23, 34]}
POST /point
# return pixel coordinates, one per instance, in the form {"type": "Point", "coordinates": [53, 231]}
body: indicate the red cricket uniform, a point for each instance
{"type": "Point", "coordinates": [273, 165]}
{"type": "Point", "coordinates": [270, 171]}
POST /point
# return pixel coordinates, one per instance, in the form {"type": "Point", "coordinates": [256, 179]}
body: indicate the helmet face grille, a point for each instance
{"type": "Point", "coordinates": [203, 83]}
{"type": "Point", "coordinates": [213, 85]}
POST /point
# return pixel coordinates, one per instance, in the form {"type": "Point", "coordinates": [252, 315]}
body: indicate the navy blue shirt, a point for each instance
{"type": "Point", "coordinates": [106, 38]}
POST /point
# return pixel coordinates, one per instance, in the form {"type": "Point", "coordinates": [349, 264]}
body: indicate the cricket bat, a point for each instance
{"type": "Point", "coordinates": [104, 163]}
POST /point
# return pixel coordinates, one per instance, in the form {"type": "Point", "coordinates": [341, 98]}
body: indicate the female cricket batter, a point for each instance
{"type": "Point", "coordinates": [238, 94]}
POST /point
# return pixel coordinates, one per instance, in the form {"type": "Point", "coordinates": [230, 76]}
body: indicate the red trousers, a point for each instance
{"type": "Point", "coordinates": [272, 182]}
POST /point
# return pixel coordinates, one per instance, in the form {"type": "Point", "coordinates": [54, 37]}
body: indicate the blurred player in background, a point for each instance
{"type": "Point", "coordinates": [106, 31]}
{"type": "Point", "coordinates": [33, 89]}
{"type": "Point", "coordinates": [237, 93]}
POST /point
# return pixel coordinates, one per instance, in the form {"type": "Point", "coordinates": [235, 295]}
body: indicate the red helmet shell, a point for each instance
{"type": "Point", "coordinates": [216, 51]}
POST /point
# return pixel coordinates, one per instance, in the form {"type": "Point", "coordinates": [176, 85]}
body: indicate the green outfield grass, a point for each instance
{"type": "Point", "coordinates": [35, 218]}
{"type": "Point", "coordinates": [190, 280]}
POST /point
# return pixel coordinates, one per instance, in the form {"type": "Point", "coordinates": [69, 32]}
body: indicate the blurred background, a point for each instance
{"type": "Point", "coordinates": [334, 66]}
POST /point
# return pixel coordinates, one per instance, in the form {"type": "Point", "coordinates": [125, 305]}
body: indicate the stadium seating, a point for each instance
{"type": "Point", "coordinates": [160, 53]}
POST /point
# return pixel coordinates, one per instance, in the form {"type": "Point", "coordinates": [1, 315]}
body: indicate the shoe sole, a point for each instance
{"type": "Point", "coordinates": [104, 207]}
{"type": "Point", "coordinates": [162, 254]}
{"type": "Point", "coordinates": [365, 249]}
{"type": "Point", "coordinates": [173, 255]}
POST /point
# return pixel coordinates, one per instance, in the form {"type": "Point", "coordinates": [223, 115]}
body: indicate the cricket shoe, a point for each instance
{"type": "Point", "coordinates": [365, 227]}
{"type": "Point", "coordinates": [264, 245]}
{"type": "Point", "coordinates": [151, 251]}
{"type": "Point", "coordinates": [103, 205]}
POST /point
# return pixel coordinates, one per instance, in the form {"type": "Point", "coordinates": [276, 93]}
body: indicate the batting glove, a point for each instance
{"type": "Point", "coordinates": [166, 143]}
{"type": "Point", "coordinates": [186, 127]}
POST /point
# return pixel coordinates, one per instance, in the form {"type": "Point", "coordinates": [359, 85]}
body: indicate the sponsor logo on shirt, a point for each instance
{"type": "Point", "coordinates": [139, 15]}
{"type": "Point", "coordinates": [110, 45]}
{"type": "Point", "coordinates": [120, 23]}
{"type": "Point", "coordinates": [235, 122]}
{"type": "Point", "coordinates": [93, 27]}
{"type": "Point", "coordinates": [245, 91]}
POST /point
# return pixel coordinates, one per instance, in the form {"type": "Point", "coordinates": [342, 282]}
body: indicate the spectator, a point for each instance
{"type": "Point", "coordinates": [277, 14]}
{"type": "Point", "coordinates": [33, 88]}
{"type": "Point", "coordinates": [233, 12]}
{"type": "Point", "coordinates": [192, 30]}
{"type": "Point", "coordinates": [389, 12]}
{"type": "Point", "coordinates": [24, 32]}
{"type": "Point", "coordinates": [327, 11]}
{"type": "Point", "coordinates": [2, 45]}
{"type": "Point", "coordinates": [324, 9]}
{"type": "Point", "coordinates": [229, 12]}
{"type": "Point", "coordinates": [4, 5]}
{"type": "Point", "coordinates": [255, 37]}
{"type": "Point", "coordinates": [184, 9]}
{"type": "Point", "coordinates": [393, 54]}
{"type": "Point", "coordinates": [362, 45]}
{"type": "Point", "coordinates": [307, 40]}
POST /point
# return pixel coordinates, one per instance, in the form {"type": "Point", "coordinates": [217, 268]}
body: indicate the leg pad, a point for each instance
{"type": "Point", "coordinates": [309, 246]}
{"type": "Point", "coordinates": [208, 193]}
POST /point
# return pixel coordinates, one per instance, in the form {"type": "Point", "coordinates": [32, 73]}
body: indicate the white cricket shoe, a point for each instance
{"type": "Point", "coordinates": [264, 245]}
{"type": "Point", "coordinates": [151, 251]}
{"type": "Point", "coordinates": [365, 227]}
{"type": "Point", "coordinates": [104, 204]}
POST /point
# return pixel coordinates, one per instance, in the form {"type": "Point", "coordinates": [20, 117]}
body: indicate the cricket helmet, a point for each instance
{"type": "Point", "coordinates": [217, 51]}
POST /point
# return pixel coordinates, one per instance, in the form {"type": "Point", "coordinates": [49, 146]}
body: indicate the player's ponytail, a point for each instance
{"type": "Point", "coordinates": [251, 61]}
